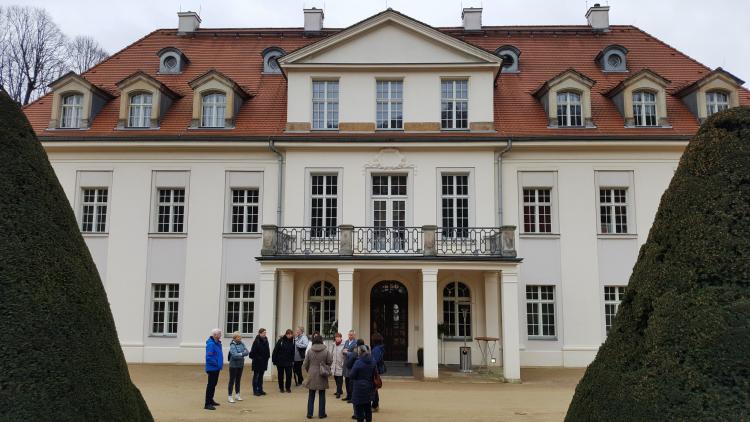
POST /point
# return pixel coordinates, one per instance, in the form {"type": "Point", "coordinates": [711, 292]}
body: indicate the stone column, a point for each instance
{"type": "Point", "coordinates": [267, 306]}
{"type": "Point", "coordinates": [429, 322]}
{"type": "Point", "coordinates": [492, 305]}
{"type": "Point", "coordinates": [285, 311]}
{"type": "Point", "coordinates": [511, 334]}
{"type": "Point", "coordinates": [346, 300]}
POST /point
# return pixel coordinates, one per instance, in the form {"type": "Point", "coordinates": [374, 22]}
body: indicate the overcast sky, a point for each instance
{"type": "Point", "coordinates": [715, 33]}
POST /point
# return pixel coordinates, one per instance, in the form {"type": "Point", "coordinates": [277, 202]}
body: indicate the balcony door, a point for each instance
{"type": "Point", "coordinates": [389, 202]}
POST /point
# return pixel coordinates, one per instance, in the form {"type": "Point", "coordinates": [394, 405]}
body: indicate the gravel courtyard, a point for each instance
{"type": "Point", "coordinates": [175, 393]}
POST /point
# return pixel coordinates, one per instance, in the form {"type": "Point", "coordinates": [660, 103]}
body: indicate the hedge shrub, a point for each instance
{"type": "Point", "coordinates": [679, 349]}
{"type": "Point", "coordinates": [59, 353]}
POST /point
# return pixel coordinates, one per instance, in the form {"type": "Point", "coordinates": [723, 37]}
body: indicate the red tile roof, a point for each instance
{"type": "Point", "coordinates": [545, 52]}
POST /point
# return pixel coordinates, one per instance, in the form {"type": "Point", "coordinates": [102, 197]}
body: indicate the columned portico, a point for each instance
{"type": "Point", "coordinates": [430, 321]}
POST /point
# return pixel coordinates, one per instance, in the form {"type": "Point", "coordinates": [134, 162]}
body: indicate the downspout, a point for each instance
{"type": "Point", "coordinates": [499, 178]}
{"type": "Point", "coordinates": [280, 187]}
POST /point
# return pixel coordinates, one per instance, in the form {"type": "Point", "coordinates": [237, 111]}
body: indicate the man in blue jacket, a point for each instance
{"type": "Point", "coordinates": [214, 363]}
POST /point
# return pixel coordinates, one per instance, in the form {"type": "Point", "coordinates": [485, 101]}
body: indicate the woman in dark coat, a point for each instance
{"type": "Point", "coordinates": [378, 351]}
{"type": "Point", "coordinates": [283, 358]}
{"type": "Point", "coordinates": [362, 374]}
{"type": "Point", "coordinates": [259, 353]}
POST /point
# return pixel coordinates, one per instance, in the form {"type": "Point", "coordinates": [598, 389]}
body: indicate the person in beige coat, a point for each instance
{"type": "Point", "coordinates": [337, 367]}
{"type": "Point", "coordinates": [317, 360]}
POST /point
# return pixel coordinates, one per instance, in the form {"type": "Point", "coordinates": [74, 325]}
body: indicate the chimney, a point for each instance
{"type": "Point", "coordinates": [472, 17]}
{"type": "Point", "coordinates": [188, 23]}
{"type": "Point", "coordinates": [313, 19]}
{"type": "Point", "coordinates": [598, 17]}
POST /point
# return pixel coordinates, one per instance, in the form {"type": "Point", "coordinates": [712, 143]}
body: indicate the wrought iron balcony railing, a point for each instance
{"type": "Point", "coordinates": [347, 240]}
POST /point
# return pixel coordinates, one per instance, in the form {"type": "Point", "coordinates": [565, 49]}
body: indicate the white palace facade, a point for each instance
{"type": "Point", "coordinates": [434, 185]}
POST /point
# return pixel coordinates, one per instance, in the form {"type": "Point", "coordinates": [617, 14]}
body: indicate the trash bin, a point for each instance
{"type": "Point", "coordinates": [465, 358]}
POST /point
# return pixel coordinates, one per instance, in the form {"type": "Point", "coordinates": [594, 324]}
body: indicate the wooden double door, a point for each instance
{"type": "Point", "coordinates": [389, 301]}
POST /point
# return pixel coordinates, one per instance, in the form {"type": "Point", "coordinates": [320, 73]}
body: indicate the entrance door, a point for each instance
{"type": "Point", "coordinates": [389, 317]}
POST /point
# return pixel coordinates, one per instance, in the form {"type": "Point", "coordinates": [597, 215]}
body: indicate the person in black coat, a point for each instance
{"type": "Point", "coordinates": [259, 353]}
{"type": "Point", "coordinates": [283, 358]}
{"type": "Point", "coordinates": [362, 374]}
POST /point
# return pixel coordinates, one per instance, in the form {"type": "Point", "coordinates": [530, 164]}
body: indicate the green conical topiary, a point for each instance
{"type": "Point", "coordinates": [679, 349]}
{"type": "Point", "coordinates": [60, 359]}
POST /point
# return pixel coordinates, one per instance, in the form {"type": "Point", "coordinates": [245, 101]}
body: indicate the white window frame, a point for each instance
{"type": "Point", "coordinates": [614, 180]}
{"type": "Point", "coordinates": [321, 300]}
{"type": "Point", "coordinates": [538, 179]}
{"type": "Point", "coordinates": [167, 300]}
{"type": "Point", "coordinates": [139, 114]}
{"type": "Point", "coordinates": [569, 105]}
{"type": "Point", "coordinates": [248, 208]}
{"type": "Point", "coordinates": [328, 105]}
{"type": "Point", "coordinates": [456, 230]}
{"type": "Point", "coordinates": [713, 104]}
{"type": "Point", "coordinates": [453, 99]}
{"type": "Point", "coordinates": [536, 206]}
{"type": "Point", "coordinates": [210, 101]}
{"type": "Point", "coordinates": [389, 101]}
{"type": "Point", "coordinates": [326, 230]}
{"type": "Point", "coordinates": [242, 301]}
{"type": "Point", "coordinates": [76, 108]}
{"type": "Point", "coordinates": [537, 304]}
{"type": "Point", "coordinates": [612, 206]}
{"type": "Point", "coordinates": [457, 302]}
{"type": "Point", "coordinates": [642, 106]}
{"type": "Point", "coordinates": [97, 204]}
{"type": "Point", "coordinates": [173, 205]}
{"type": "Point", "coordinates": [619, 292]}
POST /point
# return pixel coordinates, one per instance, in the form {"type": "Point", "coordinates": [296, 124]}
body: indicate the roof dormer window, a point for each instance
{"type": "Point", "coordinates": [641, 99]}
{"type": "Point", "coordinates": [139, 114]}
{"type": "Point", "coordinates": [566, 99]}
{"type": "Point", "coordinates": [72, 107]}
{"type": "Point", "coordinates": [171, 60]}
{"type": "Point", "coordinates": [214, 107]}
{"type": "Point", "coordinates": [568, 109]}
{"type": "Point", "coordinates": [75, 102]}
{"type": "Point", "coordinates": [644, 108]}
{"type": "Point", "coordinates": [216, 101]}
{"type": "Point", "coordinates": [716, 101]}
{"type": "Point", "coordinates": [270, 59]}
{"type": "Point", "coordinates": [613, 58]}
{"type": "Point", "coordinates": [510, 56]}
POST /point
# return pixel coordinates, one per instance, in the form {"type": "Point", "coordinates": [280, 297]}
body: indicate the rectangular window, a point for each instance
{"type": "Point", "coordinates": [613, 210]}
{"type": "Point", "coordinates": [389, 196]}
{"type": "Point", "coordinates": [389, 104]}
{"type": "Point", "coordinates": [165, 300]}
{"type": "Point", "coordinates": [240, 308]}
{"type": "Point", "coordinates": [454, 104]}
{"type": "Point", "coordinates": [455, 205]}
{"type": "Point", "coordinates": [171, 210]}
{"type": "Point", "coordinates": [325, 105]}
{"type": "Point", "coordinates": [244, 210]}
{"type": "Point", "coordinates": [612, 298]}
{"type": "Point", "coordinates": [537, 210]}
{"type": "Point", "coordinates": [94, 211]}
{"type": "Point", "coordinates": [540, 311]}
{"type": "Point", "coordinates": [324, 206]}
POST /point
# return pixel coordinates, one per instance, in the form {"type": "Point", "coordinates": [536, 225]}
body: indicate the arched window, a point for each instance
{"type": "Point", "coordinates": [270, 57]}
{"type": "Point", "coordinates": [321, 308]}
{"type": "Point", "coordinates": [644, 108]}
{"type": "Point", "coordinates": [214, 105]}
{"type": "Point", "coordinates": [568, 109]}
{"type": "Point", "coordinates": [72, 111]}
{"type": "Point", "coordinates": [139, 112]}
{"type": "Point", "coordinates": [613, 58]}
{"type": "Point", "coordinates": [716, 101]}
{"type": "Point", "coordinates": [457, 310]}
{"type": "Point", "coordinates": [511, 56]}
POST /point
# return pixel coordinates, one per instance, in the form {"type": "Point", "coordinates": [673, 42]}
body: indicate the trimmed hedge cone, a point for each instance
{"type": "Point", "coordinates": [60, 356]}
{"type": "Point", "coordinates": [679, 349]}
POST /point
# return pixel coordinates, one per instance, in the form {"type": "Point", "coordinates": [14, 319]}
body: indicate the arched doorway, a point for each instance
{"type": "Point", "coordinates": [389, 301]}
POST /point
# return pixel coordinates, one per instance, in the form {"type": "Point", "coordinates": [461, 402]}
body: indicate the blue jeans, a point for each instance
{"type": "Point", "coordinates": [363, 412]}
{"type": "Point", "coordinates": [321, 402]}
{"type": "Point", "coordinates": [258, 381]}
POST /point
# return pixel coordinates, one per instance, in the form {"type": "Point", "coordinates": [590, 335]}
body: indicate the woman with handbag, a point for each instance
{"type": "Point", "coordinates": [317, 363]}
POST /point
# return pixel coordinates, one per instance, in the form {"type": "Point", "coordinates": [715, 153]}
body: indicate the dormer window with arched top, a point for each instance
{"type": "Point", "coordinates": [75, 102]}
{"type": "Point", "coordinates": [216, 101]}
{"type": "Point", "coordinates": [641, 99]}
{"type": "Point", "coordinates": [270, 59]}
{"type": "Point", "coordinates": [171, 60]}
{"type": "Point", "coordinates": [717, 91]}
{"type": "Point", "coordinates": [566, 99]}
{"type": "Point", "coordinates": [511, 56]}
{"type": "Point", "coordinates": [613, 58]}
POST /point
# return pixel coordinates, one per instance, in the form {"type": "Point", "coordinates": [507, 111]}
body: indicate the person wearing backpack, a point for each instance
{"type": "Point", "coordinates": [283, 358]}
{"type": "Point", "coordinates": [317, 363]}
{"type": "Point", "coordinates": [236, 357]}
{"type": "Point", "coordinates": [378, 351]}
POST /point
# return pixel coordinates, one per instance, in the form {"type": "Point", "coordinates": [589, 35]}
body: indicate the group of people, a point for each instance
{"type": "Point", "coordinates": [353, 365]}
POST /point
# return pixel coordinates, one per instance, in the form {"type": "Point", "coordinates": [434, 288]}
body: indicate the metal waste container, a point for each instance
{"type": "Point", "coordinates": [465, 358]}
